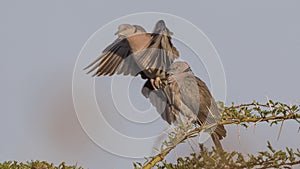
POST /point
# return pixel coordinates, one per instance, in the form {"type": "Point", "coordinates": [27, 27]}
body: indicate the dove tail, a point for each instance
{"type": "Point", "coordinates": [216, 141]}
{"type": "Point", "coordinates": [220, 131]}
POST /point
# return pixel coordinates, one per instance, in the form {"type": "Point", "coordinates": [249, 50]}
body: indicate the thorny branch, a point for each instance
{"type": "Point", "coordinates": [271, 112]}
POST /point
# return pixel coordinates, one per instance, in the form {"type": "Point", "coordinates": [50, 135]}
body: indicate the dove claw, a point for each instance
{"type": "Point", "coordinates": [156, 83]}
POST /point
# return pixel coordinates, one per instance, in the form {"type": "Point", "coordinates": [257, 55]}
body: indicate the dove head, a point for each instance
{"type": "Point", "coordinates": [179, 67]}
{"type": "Point", "coordinates": [127, 30]}
{"type": "Point", "coordinates": [139, 29]}
{"type": "Point", "coordinates": [160, 27]}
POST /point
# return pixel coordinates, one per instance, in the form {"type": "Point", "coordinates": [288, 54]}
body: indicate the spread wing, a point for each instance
{"type": "Point", "coordinates": [160, 53]}
{"type": "Point", "coordinates": [159, 99]}
{"type": "Point", "coordinates": [118, 57]}
{"type": "Point", "coordinates": [115, 59]}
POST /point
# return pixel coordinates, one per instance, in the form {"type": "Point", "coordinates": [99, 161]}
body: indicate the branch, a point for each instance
{"type": "Point", "coordinates": [240, 114]}
{"type": "Point", "coordinates": [36, 165]}
{"type": "Point", "coordinates": [219, 159]}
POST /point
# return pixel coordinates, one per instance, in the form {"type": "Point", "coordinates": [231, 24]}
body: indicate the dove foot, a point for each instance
{"type": "Point", "coordinates": [156, 82]}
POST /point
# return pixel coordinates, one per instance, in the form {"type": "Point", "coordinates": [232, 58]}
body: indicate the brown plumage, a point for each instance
{"type": "Point", "coordinates": [185, 94]}
{"type": "Point", "coordinates": [137, 52]}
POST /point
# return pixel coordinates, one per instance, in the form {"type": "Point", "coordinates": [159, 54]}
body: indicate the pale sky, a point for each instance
{"type": "Point", "coordinates": [257, 41]}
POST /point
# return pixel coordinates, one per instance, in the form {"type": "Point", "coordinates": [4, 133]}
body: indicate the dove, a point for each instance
{"type": "Point", "coordinates": [137, 52]}
{"type": "Point", "coordinates": [183, 93]}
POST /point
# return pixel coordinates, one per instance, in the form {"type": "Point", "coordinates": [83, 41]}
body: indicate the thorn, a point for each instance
{"type": "Point", "coordinates": [190, 141]}
{"type": "Point", "coordinates": [156, 150]}
{"type": "Point", "coordinates": [280, 130]}
{"type": "Point", "coordinates": [239, 133]}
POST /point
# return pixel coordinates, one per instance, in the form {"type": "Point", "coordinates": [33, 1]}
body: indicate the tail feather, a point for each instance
{"type": "Point", "coordinates": [220, 131]}
{"type": "Point", "coordinates": [216, 141]}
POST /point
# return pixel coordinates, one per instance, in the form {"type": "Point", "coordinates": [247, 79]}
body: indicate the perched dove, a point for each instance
{"type": "Point", "coordinates": [137, 52]}
{"type": "Point", "coordinates": [185, 94]}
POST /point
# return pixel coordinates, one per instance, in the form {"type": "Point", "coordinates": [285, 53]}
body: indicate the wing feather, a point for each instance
{"type": "Point", "coordinates": [112, 59]}
{"type": "Point", "coordinates": [118, 58]}
{"type": "Point", "coordinates": [160, 53]}
{"type": "Point", "coordinates": [159, 100]}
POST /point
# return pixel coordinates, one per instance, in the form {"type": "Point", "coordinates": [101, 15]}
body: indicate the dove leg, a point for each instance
{"type": "Point", "coordinates": [153, 83]}
{"type": "Point", "coordinates": [156, 82]}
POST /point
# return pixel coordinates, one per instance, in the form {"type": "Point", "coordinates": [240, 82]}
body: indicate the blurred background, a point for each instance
{"type": "Point", "coordinates": [258, 43]}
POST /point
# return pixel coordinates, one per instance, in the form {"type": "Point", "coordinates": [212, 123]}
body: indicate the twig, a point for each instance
{"type": "Point", "coordinates": [163, 154]}
{"type": "Point", "coordinates": [285, 164]}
